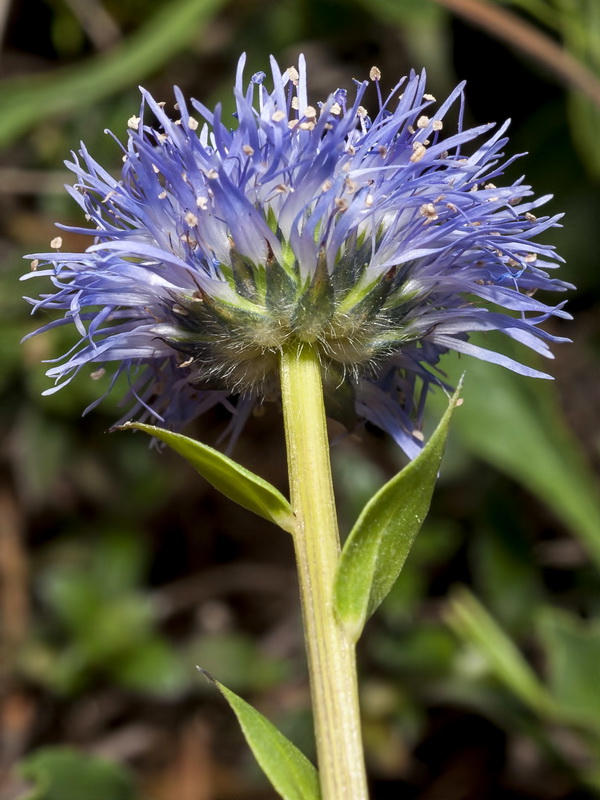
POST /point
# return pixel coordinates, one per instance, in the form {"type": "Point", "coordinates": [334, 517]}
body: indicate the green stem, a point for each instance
{"type": "Point", "coordinates": [331, 659]}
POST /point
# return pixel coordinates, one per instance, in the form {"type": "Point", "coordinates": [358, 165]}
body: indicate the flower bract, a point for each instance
{"type": "Point", "coordinates": [379, 238]}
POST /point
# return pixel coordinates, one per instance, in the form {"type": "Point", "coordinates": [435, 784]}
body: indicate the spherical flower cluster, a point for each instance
{"type": "Point", "coordinates": [377, 240]}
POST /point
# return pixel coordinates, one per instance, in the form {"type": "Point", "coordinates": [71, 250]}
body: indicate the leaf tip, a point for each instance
{"type": "Point", "coordinates": [207, 675]}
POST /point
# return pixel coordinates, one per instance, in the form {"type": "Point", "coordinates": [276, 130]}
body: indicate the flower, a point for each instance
{"type": "Point", "coordinates": [378, 240]}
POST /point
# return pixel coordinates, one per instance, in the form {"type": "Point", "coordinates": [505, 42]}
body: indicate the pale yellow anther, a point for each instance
{"type": "Point", "coordinates": [361, 112]}
{"type": "Point", "coordinates": [429, 97]}
{"type": "Point", "coordinates": [248, 150]}
{"type": "Point", "coordinates": [295, 103]}
{"type": "Point", "coordinates": [375, 74]}
{"type": "Point", "coordinates": [437, 124]}
{"type": "Point", "coordinates": [97, 374]}
{"type": "Point", "coordinates": [133, 123]}
{"type": "Point", "coordinates": [162, 195]}
{"type": "Point", "coordinates": [212, 174]}
{"type": "Point", "coordinates": [369, 200]}
{"type": "Point", "coordinates": [419, 151]}
{"type": "Point", "coordinates": [310, 112]}
{"type": "Point", "coordinates": [335, 109]}
{"type": "Point", "coordinates": [278, 116]}
{"type": "Point", "coordinates": [293, 74]}
{"type": "Point", "coordinates": [191, 219]}
{"type": "Point", "coordinates": [423, 122]}
{"type": "Point", "coordinates": [202, 203]}
{"type": "Point", "coordinates": [193, 124]}
{"type": "Point", "coordinates": [56, 243]}
{"type": "Point", "coordinates": [428, 211]}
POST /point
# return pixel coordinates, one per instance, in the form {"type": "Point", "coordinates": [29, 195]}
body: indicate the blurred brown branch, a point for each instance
{"type": "Point", "coordinates": [503, 24]}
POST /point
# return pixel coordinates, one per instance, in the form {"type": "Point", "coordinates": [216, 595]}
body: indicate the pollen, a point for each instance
{"type": "Point", "coordinates": [217, 249]}
{"type": "Point", "coordinates": [419, 151]}
{"type": "Point", "coordinates": [428, 211]}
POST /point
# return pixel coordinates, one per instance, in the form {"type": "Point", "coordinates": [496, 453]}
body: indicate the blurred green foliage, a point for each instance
{"type": "Point", "coordinates": [111, 527]}
{"type": "Point", "coordinates": [62, 774]}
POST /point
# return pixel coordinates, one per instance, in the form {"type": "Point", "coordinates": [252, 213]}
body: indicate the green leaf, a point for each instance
{"type": "Point", "coordinates": [379, 543]}
{"type": "Point", "coordinates": [230, 478]}
{"type": "Point", "coordinates": [573, 656]}
{"type": "Point", "coordinates": [290, 772]}
{"type": "Point", "coordinates": [474, 625]}
{"type": "Point", "coordinates": [515, 424]}
{"type": "Point", "coordinates": [60, 773]}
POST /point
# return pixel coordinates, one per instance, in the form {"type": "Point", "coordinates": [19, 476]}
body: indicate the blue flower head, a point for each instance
{"type": "Point", "coordinates": [376, 238]}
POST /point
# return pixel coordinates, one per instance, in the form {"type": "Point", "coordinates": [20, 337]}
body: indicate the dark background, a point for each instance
{"type": "Point", "coordinates": [120, 569]}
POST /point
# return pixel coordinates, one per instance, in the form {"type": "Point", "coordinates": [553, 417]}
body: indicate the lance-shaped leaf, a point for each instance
{"type": "Point", "coordinates": [290, 772]}
{"type": "Point", "coordinates": [230, 478]}
{"type": "Point", "coordinates": [380, 541]}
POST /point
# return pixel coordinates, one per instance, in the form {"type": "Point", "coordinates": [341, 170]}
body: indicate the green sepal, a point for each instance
{"type": "Point", "coordinates": [289, 771]}
{"type": "Point", "coordinates": [380, 541]}
{"type": "Point", "coordinates": [230, 478]}
{"type": "Point", "coordinates": [281, 289]}
{"type": "Point", "coordinates": [315, 307]}
{"type": "Point", "coordinates": [222, 311]}
{"type": "Point", "coordinates": [351, 268]}
{"type": "Point", "coordinates": [244, 275]}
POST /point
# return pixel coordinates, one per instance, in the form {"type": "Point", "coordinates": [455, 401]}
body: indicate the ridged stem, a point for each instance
{"type": "Point", "coordinates": [331, 657]}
